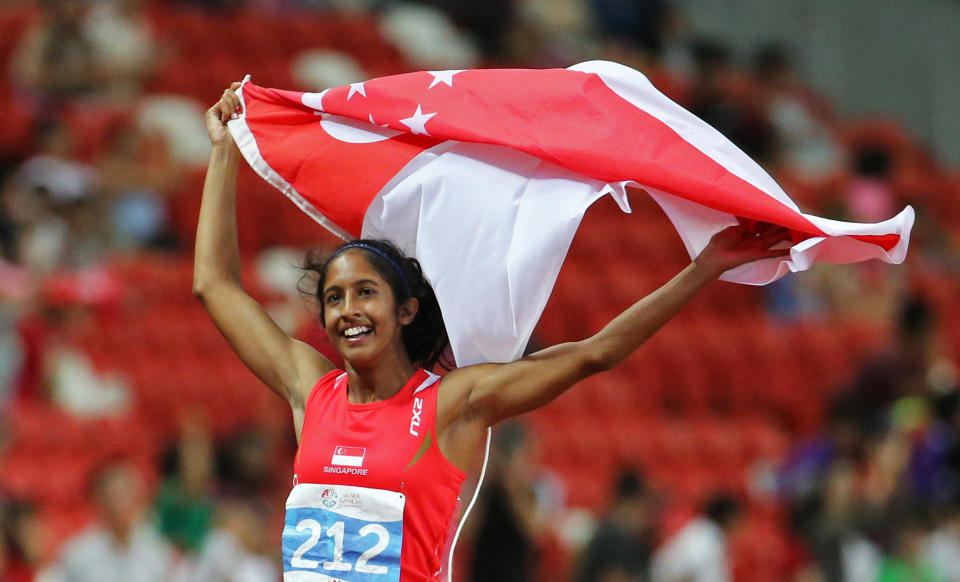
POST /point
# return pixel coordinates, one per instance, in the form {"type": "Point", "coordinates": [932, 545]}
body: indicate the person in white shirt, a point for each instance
{"type": "Point", "coordinates": [123, 546]}
{"type": "Point", "coordinates": [698, 552]}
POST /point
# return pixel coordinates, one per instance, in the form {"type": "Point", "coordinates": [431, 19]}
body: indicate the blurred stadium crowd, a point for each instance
{"type": "Point", "coordinates": [807, 431]}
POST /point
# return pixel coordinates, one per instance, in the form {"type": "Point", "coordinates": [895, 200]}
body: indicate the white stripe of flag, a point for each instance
{"type": "Point", "coordinates": [348, 456]}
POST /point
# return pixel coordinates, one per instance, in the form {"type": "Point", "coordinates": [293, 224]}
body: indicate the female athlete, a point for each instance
{"type": "Point", "coordinates": [383, 450]}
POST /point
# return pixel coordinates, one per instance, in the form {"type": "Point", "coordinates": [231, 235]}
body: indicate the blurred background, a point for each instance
{"type": "Point", "coordinates": [806, 431]}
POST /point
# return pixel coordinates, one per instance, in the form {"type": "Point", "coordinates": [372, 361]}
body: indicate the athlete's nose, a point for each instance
{"type": "Point", "coordinates": [351, 304]}
{"type": "Point", "coordinates": [348, 303]}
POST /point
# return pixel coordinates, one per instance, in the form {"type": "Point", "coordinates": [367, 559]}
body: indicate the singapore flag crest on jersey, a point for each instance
{"type": "Point", "coordinates": [348, 456]}
{"type": "Point", "coordinates": [484, 176]}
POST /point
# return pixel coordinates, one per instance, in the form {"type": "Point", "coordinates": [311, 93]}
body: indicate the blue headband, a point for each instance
{"type": "Point", "coordinates": [364, 246]}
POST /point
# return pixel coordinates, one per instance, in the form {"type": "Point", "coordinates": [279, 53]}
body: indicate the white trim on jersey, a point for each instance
{"type": "Point", "coordinates": [431, 378]}
{"type": "Point", "coordinates": [473, 500]}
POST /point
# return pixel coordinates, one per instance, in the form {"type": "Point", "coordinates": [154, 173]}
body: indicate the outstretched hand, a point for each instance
{"type": "Point", "coordinates": [743, 243]}
{"type": "Point", "coordinates": [223, 111]}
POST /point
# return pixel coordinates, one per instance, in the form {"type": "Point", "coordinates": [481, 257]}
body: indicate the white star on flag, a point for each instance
{"type": "Point", "coordinates": [443, 77]}
{"type": "Point", "coordinates": [418, 122]}
{"type": "Point", "coordinates": [356, 88]}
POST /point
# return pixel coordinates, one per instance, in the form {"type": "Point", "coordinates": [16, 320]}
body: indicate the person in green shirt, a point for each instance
{"type": "Point", "coordinates": [906, 562]}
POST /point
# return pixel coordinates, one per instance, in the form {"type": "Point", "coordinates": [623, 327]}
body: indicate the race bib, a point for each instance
{"type": "Point", "coordinates": [340, 533]}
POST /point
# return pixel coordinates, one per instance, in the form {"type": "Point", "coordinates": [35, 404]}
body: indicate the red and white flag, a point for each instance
{"type": "Point", "coordinates": [484, 176]}
{"type": "Point", "coordinates": [348, 456]}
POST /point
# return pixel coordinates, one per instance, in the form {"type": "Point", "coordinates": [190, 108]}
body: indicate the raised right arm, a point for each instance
{"type": "Point", "coordinates": [289, 367]}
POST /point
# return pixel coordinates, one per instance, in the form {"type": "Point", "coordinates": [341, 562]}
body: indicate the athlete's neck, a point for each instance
{"type": "Point", "coordinates": [380, 381]}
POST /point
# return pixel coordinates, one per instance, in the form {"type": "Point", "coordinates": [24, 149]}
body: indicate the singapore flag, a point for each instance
{"type": "Point", "coordinates": [484, 175]}
{"type": "Point", "coordinates": [348, 456]}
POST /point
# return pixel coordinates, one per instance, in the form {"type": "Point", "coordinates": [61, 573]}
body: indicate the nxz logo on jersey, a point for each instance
{"type": "Point", "coordinates": [415, 419]}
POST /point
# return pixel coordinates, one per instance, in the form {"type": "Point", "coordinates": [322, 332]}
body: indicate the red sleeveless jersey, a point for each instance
{"type": "Point", "coordinates": [388, 446]}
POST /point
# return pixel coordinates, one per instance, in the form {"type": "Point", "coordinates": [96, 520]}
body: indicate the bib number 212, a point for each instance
{"type": "Point", "coordinates": [342, 533]}
{"type": "Point", "coordinates": [337, 564]}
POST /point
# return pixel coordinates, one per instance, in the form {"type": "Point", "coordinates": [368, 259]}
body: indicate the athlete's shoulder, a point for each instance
{"type": "Point", "coordinates": [425, 380]}
{"type": "Point", "coordinates": [467, 375]}
{"type": "Point", "coordinates": [325, 384]}
{"type": "Point", "coordinates": [455, 391]}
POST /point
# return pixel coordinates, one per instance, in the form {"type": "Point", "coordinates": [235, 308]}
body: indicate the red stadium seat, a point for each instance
{"type": "Point", "coordinates": [633, 442]}
{"type": "Point", "coordinates": [16, 139]}
{"type": "Point", "coordinates": [15, 19]}
{"type": "Point", "coordinates": [721, 442]}
{"type": "Point", "coordinates": [588, 487]}
{"type": "Point", "coordinates": [764, 440]}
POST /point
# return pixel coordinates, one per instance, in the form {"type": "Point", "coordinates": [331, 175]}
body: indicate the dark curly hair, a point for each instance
{"type": "Point", "coordinates": [425, 338]}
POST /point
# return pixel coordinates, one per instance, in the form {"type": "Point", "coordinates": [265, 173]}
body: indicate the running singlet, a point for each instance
{"type": "Point", "coordinates": [373, 497]}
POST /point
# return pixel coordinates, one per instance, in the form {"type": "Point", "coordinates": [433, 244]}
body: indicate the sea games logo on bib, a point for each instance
{"type": "Point", "coordinates": [328, 497]}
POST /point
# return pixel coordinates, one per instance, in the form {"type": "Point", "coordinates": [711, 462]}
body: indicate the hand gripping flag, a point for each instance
{"type": "Point", "coordinates": [484, 176]}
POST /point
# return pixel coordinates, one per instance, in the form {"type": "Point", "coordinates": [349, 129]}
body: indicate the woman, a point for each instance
{"type": "Point", "coordinates": [382, 450]}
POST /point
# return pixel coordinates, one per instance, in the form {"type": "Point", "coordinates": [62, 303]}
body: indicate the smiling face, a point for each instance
{"type": "Point", "coordinates": [360, 312]}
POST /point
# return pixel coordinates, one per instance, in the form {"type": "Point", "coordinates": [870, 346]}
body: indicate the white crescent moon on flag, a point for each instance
{"type": "Point", "coordinates": [354, 131]}
{"type": "Point", "coordinates": [312, 100]}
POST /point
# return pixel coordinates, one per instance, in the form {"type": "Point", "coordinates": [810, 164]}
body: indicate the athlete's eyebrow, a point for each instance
{"type": "Point", "coordinates": [362, 281]}
{"type": "Point", "coordinates": [357, 282]}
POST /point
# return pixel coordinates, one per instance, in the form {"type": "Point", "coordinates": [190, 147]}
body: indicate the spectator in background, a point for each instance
{"type": "Point", "coordinates": [184, 503]}
{"type": "Point", "coordinates": [53, 202]}
{"type": "Point", "coordinates": [800, 121]}
{"type": "Point", "coordinates": [550, 33]}
{"type": "Point", "coordinates": [676, 52]}
{"type": "Point", "coordinates": [869, 196]}
{"type": "Point", "coordinates": [122, 44]}
{"type": "Point", "coordinates": [861, 514]}
{"type": "Point", "coordinates": [942, 547]}
{"type": "Point", "coordinates": [863, 291]}
{"type": "Point", "coordinates": [623, 542]}
{"type": "Point", "coordinates": [16, 291]}
{"type": "Point", "coordinates": [22, 542]}
{"type": "Point", "coordinates": [698, 552]}
{"type": "Point", "coordinates": [426, 37]}
{"type": "Point", "coordinates": [488, 22]}
{"type": "Point", "coordinates": [122, 546]}
{"type": "Point", "coordinates": [8, 229]}
{"type": "Point", "coordinates": [238, 550]}
{"type": "Point", "coordinates": [639, 23]}
{"type": "Point", "coordinates": [50, 329]}
{"type": "Point", "coordinates": [137, 174]}
{"type": "Point", "coordinates": [808, 155]}
{"type": "Point", "coordinates": [935, 462]}
{"type": "Point", "coordinates": [832, 521]}
{"type": "Point", "coordinates": [245, 466]}
{"type": "Point", "coordinates": [55, 60]}
{"type": "Point", "coordinates": [906, 561]}
{"type": "Point", "coordinates": [510, 517]}
{"type": "Point", "coordinates": [716, 96]}
{"type": "Point", "coordinates": [807, 465]}
{"type": "Point", "coordinates": [898, 370]}
{"type": "Point", "coordinates": [316, 69]}
{"type": "Point", "coordinates": [648, 35]}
